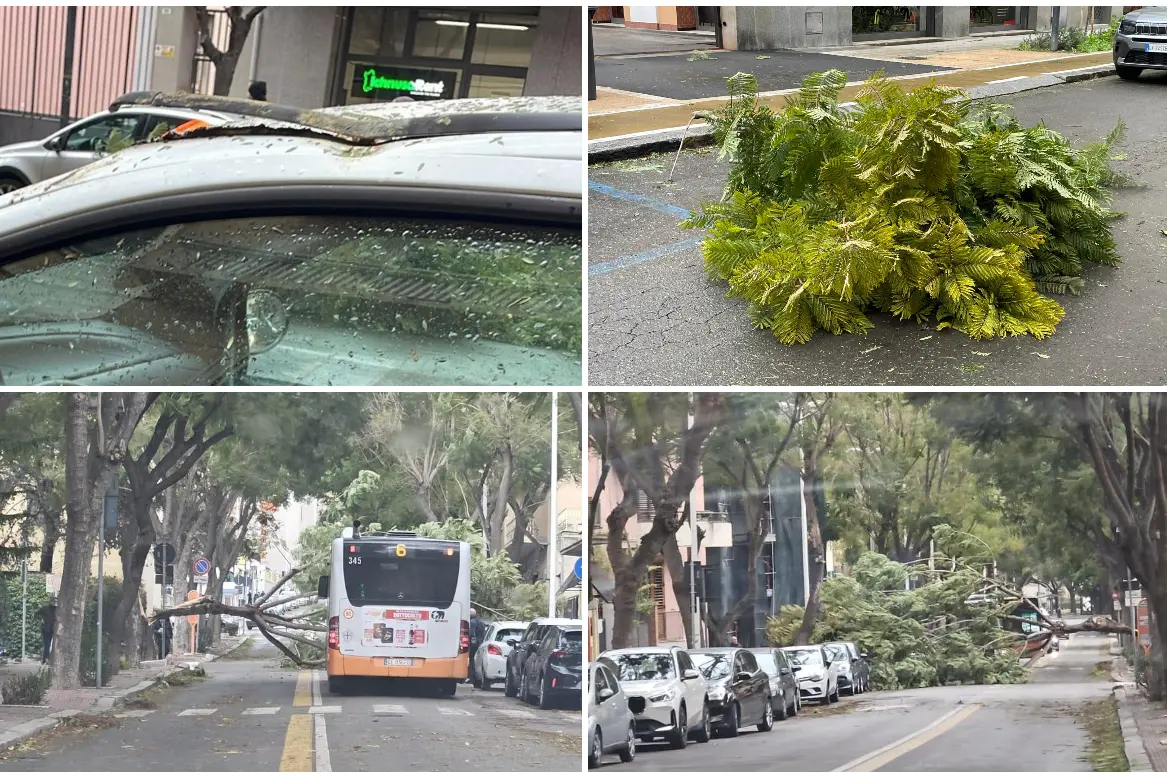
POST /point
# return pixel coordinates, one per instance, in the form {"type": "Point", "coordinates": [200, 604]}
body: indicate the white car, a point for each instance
{"type": "Point", "coordinates": [666, 691]}
{"type": "Point", "coordinates": [818, 676]}
{"type": "Point", "coordinates": [490, 661]}
{"type": "Point", "coordinates": [87, 140]}
{"type": "Point", "coordinates": [611, 726]}
{"type": "Point", "coordinates": [432, 243]}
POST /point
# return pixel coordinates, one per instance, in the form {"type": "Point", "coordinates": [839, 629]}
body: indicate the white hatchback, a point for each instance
{"type": "Point", "coordinates": [665, 691]}
{"type": "Point", "coordinates": [818, 676]}
{"type": "Point", "coordinates": [490, 661]}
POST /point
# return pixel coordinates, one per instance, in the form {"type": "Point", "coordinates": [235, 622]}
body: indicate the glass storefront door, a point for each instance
{"type": "Point", "coordinates": [434, 53]}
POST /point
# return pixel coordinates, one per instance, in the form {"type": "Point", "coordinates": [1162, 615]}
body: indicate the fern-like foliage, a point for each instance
{"type": "Point", "coordinates": [911, 204]}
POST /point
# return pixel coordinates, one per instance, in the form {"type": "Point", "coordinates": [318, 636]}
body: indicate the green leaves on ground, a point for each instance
{"type": "Point", "coordinates": [925, 636]}
{"type": "Point", "coordinates": [910, 204]}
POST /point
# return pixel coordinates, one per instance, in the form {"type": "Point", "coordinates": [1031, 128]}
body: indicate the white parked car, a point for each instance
{"type": "Point", "coordinates": [403, 244]}
{"type": "Point", "coordinates": [490, 661]}
{"type": "Point", "coordinates": [666, 692]}
{"type": "Point", "coordinates": [611, 726]}
{"type": "Point", "coordinates": [818, 676]}
{"type": "Point", "coordinates": [87, 141]}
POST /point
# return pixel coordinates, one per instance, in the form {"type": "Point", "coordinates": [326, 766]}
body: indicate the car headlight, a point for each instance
{"type": "Point", "coordinates": [1126, 28]}
{"type": "Point", "coordinates": [666, 696]}
{"type": "Point", "coordinates": [814, 677]}
{"type": "Point", "coordinates": [718, 692]}
{"type": "Point", "coordinates": [844, 668]}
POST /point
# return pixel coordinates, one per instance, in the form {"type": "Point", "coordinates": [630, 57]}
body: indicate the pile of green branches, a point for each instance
{"type": "Point", "coordinates": [911, 204]}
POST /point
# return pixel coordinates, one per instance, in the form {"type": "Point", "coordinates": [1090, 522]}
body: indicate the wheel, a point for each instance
{"type": "Point", "coordinates": [544, 695]}
{"type": "Point", "coordinates": [336, 684]}
{"type": "Point", "coordinates": [782, 711]}
{"type": "Point", "coordinates": [680, 737]}
{"type": "Point", "coordinates": [484, 683]}
{"type": "Point", "coordinates": [827, 697]}
{"type": "Point", "coordinates": [767, 722]}
{"type": "Point", "coordinates": [597, 751]}
{"type": "Point", "coordinates": [733, 720]}
{"type": "Point", "coordinates": [702, 735]}
{"type": "Point", "coordinates": [628, 752]}
{"type": "Point", "coordinates": [10, 183]}
{"type": "Point", "coordinates": [447, 688]}
{"type": "Point", "coordinates": [508, 685]}
{"type": "Point", "coordinates": [835, 698]}
{"type": "Point", "coordinates": [851, 691]}
{"type": "Point", "coordinates": [525, 688]}
{"type": "Point", "coordinates": [1128, 74]}
{"type": "Point", "coordinates": [796, 705]}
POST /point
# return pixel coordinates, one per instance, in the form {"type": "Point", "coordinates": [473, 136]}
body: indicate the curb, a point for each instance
{"type": "Point", "coordinates": [700, 134]}
{"type": "Point", "coordinates": [1132, 741]}
{"type": "Point", "coordinates": [105, 703]}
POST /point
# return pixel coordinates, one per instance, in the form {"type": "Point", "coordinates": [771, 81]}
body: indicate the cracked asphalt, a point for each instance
{"type": "Point", "coordinates": [655, 319]}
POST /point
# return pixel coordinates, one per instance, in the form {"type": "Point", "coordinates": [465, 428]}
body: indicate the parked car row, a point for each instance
{"type": "Point", "coordinates": [677, 695]}
{"type": "Point", "coordinates": [540, 662]}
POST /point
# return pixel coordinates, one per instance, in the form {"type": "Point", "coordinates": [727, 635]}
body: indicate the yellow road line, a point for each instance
{"type": "Point", "coordinates": [297, 754]}
{"type": "Point", "coordinates": [303, 696]}
{"type": "Point", "coordinates": [877, 759]}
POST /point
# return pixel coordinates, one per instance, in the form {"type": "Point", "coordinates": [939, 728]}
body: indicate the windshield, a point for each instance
{"type": "Point", "coordinates": [767, 663]}
{"type": "Point", "coordinates": [375, 575]}
{"type": "Point", "coordinates": [713, 666]}
{"type": "Point", "coordinates": [805, 656]}
{"type": "Point", "coordinates": [299, 300]}
{"type": "Point", "coordinates": [837, 653]}
{"type": "Point", "coordinates": [645, 667]}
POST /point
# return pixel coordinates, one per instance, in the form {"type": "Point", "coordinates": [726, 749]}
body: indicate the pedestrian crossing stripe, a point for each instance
{"type": "Point", "coordinates": [454, 712]}
{"type": "Point", "coordinates": [517, 713]}
{"type": "Point", "coordinates": [133, 714]}
{"type": "Point", "coordinates": [261, 711]}
{"type": "Point", "coordinates": [398, 709]}
{"type": "Point", "coordinates": [324, 709]}
{"type": "Point", "coordinates": [197, 712]}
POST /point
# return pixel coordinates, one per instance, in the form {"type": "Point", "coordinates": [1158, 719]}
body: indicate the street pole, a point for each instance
{"type": "Point", "coordinates": [111, 510]}
{"type": "Point", "coordinates": [67, 64]}
{"type": "Point", "coordinates": [694, 609]}
{"type": "Point", "coordinates": [1132, 608]}
{"type": "Point", "coordinates": [805, 545]}
{"type": "Point", "coordinates": [553, 514]}
{"type": "Point", "coordinates": [24, 591]}
{"type": "Point", "coordinates": [1055, 28]}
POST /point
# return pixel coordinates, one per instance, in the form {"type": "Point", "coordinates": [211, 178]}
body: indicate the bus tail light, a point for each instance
{"type": "Point", "coordinates": [494, 650]}
{"type": "Point", "coordinates": [334, 632]}
{"type": "Point", "coordinates": [464, 645]}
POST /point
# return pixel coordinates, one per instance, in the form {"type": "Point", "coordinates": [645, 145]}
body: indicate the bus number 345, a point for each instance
{"type": "Point", "coordinates": [354, 560]}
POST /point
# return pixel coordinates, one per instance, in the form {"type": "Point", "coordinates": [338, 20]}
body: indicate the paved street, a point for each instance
{"type": "Point", "coordinates": [251, 714]}
{"type": "Point", "coordinates": [1015, 728]}
{"type": "Point", "coordinates": [656, 319]}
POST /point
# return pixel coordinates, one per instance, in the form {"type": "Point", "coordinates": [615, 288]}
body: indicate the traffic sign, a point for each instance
{"type": "Point", "coordinates": [578, 569]}
{"type": "Point", "coordinates": [201, 566]}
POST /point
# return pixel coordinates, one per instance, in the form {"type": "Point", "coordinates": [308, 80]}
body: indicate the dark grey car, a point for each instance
{"type": "Point", "coordinates": [784, 696]}
{"type": "Point", "coordinates": [1141, 42]}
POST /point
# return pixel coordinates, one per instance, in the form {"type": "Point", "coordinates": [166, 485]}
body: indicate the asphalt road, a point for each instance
{"type": "Point", "coordinates": [1014, 728]}
{"type": "Point", "coordinates": [656, 319]}
{"type": "Point", "coordinates": [251, 715]}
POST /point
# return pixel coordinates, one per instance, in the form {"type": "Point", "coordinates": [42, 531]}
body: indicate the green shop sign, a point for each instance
{"type": "Point", "coordinates": [423, 84]}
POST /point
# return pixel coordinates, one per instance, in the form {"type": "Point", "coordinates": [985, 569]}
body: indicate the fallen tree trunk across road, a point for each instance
{"type": "Point", "coordinates": [286, 634]}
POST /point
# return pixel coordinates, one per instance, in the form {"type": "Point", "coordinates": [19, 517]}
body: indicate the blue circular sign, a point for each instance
{"type": "Point", "coordinates": [579, 568]}
{"type": "Point", "coordinates": [201, 566]}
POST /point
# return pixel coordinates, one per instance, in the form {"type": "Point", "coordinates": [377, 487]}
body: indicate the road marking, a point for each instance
{"type": "Point", "coordinates": [197, 712]}
{"type": "Point", "coordinates": [303, 695]}
{"type": "Point", "coordinates": [650, 202]}
{"type": "Point", "coordinates": [324, 709]}
{"type": "Point", "coordinates": [297, 754]}
{"type": "Point", "coordinates": [323, 760]}
{"type": "Point", "coordinates": [639, 258]}
{"type": "Point", "coordinates": [454, 712]}
{"type": "Point", "coordinates": [316, 698]}
{"type": "Point", "coordinates": [883, 756]}
{"type": "Point", "coordinates": [398, 709]}
{"type": "Point", "coordinates": [570, 716]}
{"type": "Point", "coordinates": [133, 714]}
{"type": "Point", "coordinates": [261, 711]}
{"type": "Point", "coordinates": [517, 713]}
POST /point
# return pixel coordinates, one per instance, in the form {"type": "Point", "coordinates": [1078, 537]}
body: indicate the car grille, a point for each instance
{"type": "Point", "coordinates": [1156, 59]}
{"type": "Point", "coordinates": [1144, 28]}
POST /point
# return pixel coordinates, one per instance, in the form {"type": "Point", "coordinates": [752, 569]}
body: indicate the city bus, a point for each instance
{"type": "Point", "coordinates": [398, 607]}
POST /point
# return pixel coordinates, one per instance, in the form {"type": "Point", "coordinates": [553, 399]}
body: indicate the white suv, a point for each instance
{"type": "Point", "coordinates": [665, 691]}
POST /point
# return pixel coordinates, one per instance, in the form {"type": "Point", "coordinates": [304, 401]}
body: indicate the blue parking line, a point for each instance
{"type": "Point", "coordinates": [603, 268]}
{"type": "Point", "coordinates": [656, 205]}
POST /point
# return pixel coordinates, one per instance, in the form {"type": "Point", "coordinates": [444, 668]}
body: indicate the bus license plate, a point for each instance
{"type": "Point", "coordinates": [398, 661]}
{"type": "Point", "coordinates": [1156, 48]}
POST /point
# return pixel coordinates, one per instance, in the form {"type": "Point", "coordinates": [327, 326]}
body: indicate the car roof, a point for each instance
{"type": "Point", "coordinates": [803, 648]}
{"type": "Point", "coordinates": [509, 624]}
{"type": "Point", "coordinates": [642, 650]}
{"type": "Point", "coordinates": [556, 622]}
{"type": "Point", "coordinates": [716, 650]}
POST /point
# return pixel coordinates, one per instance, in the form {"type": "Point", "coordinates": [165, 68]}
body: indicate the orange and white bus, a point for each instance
{"type": "Point", "coordinates": [398, 607]}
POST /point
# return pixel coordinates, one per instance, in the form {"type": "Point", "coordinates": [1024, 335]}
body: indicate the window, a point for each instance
{"type": "Point", "coordinates": [95, 136]}
{"type": "Point", "coordinates": [684, 662]}
{"type": "Point", "coordinates": [375, 575]}
{"type": "Point", "coordinates": [812, 657]}
{"type": "Point", "coordinates": [441, 34]}
{"type": "Point", "coordinates": [768, 663]}
{"type": "Point", "coordinates": [748, 663]}
{"type": "Point", "coordinates": [495, 86]}
{"type": "Point", "coordinates": [299, 300]}
{"type": "Point", "coordinates": [572, 641]}
{"type": "Point", "coordinates": [510, 633]}
{"type": "Point", "coordinates": [601, 682]}
{"type": "Point", "coordinates": [645, 667]}
{"type": "Point", "coordinates": [713, 666]}
{"type": "Point", "coordinates": [780, 660]}
{"type": "Point", "coordinates": [503, 40]}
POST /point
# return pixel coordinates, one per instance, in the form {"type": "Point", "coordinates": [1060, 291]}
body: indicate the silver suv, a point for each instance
{"type": "Point", "coordinates": [1141, 42]}
{"type": "Point", "coordinates": [87, 141]}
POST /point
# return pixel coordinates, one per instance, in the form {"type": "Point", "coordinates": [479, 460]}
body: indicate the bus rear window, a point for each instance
{"type": "Point", "coordinates": [375, 575]}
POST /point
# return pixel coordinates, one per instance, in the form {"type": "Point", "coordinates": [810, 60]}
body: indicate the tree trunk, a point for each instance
{"type": "Point", "coordinates": [132, 570]}
{"type": "Point", "coordinates": [624, 607]}
{"type": "Point", "coordinates": [79, 532]}
{"type": "Point", "coordinates": [815, 551]}
{"type": "Point", "coordinates": [501, 499]}
{"type": "Point", "coordinates": [676, 565]}
{"type": "Point", "coordinates": [1157, 672]}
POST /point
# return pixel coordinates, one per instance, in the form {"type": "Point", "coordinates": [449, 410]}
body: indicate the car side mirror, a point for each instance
{"type": "Point", "coordinates": [864, 656]}
{"type": "Point", "coordinates": [796, 668]}
{"type": "Point", "coordinates": [784, 671]}
{"type": "Point", "coordinates": [743, 676]}
{"type": "Point", "coordinates": [690, 675]}
{"type": "Point", "coordinates": [55, 143]}
{"type": "Point", "coordinates": [512, 642]}
{"type": "Point", "coordinates": [322, 586]}
{"type": "Point", "coordinates": [606, 694]}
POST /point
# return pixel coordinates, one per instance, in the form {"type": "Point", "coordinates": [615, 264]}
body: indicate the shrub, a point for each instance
{"type": "Point", "coordinates": [910, 204]}
{"type": "Point", "coordinates": [10, 596]}
{"type": "Point", "coordinates": [27, 689]}
{"type": "Point", "coordinates": [1075, 39]}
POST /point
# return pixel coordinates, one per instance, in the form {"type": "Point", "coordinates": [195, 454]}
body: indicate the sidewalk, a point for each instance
{"type": "Point", "coordinates": [1144, 723]}
{"type": "Point", "coordinates": [18, 722]}
{"type": "Point", "coordinates": [642, 97]}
